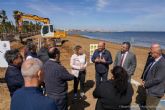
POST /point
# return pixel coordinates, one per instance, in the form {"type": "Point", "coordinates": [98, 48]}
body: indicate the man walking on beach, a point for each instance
{"type": "Point", "coordinates": [154, 78]}
{"type": "Point", "coordinates": [102, 59]}
{"type": "Point", "coordinates": [126, 59]}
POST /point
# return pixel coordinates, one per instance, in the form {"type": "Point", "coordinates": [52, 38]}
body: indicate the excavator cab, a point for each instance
{"type": "Point", "coordinates": [47, 30]}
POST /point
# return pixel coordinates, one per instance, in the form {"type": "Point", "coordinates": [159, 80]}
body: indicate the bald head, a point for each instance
{"type": "Point", "coordinates": [101, 46]}
{"type": "Point", "coordinates": [156, 50]}
{"type": "Point", "coordinates": [155, 45]}
{"type": "Point", "coordinates": [31, 67]}
{"type": "Point", "coordinates": [53, 53]}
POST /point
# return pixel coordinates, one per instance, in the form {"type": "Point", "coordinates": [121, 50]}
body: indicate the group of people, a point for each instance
{"type": "Point", "coordinates": [117, 92]}
{"type": "Point", "coordinates": [38, 81]}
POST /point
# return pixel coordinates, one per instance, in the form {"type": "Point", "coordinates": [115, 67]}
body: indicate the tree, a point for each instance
{"type": "Point", "coordinates": [3, 16]}
{"type": "Point", "coordinates": [3, 19]}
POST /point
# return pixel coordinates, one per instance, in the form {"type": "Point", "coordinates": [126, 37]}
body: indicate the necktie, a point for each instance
{"type": "Point", "coordinates": [148, 69]}
{"type": "Point", "coordinates": [122, 59]}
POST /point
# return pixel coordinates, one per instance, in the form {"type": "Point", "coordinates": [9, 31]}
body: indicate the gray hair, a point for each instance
{"type": "Point", "coordinates": [157, 47]}
{"type": "Point", "coordinates": [30, 67]}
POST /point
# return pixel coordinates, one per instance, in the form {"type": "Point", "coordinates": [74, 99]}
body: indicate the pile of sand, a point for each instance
{"type": "Point", "coordinates": [16, 45]}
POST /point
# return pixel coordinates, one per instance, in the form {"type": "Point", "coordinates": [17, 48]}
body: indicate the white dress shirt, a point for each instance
{"type": "Point", "coordinates": [125, 55]}
{"type": "Point", "coordinates": [156, 60]}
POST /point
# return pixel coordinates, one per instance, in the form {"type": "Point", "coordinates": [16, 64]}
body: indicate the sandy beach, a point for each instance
{"type": "Point", "coordinates": [66, 52]}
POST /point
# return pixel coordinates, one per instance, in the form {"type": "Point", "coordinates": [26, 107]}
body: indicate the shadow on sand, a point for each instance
{"type": "Point", "coordinates": [79, 104]}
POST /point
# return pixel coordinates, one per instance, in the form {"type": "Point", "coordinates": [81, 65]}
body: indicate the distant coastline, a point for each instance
{"type": "Point", "coordinates": [86, 37]}
{"type": "Point", "coordinates": [117, 43]}
{"type": "Point", "coordinates": [138, 39]}
{"type": "Point", "coordinates": [92, 31]}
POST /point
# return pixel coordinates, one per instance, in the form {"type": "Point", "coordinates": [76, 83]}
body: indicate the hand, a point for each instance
{"type": "Point", "coordinates": [103, 60]}
{"type": "Point", "coordinates": [143, 82]}
{"type": "Point", "coordinates": [82, 66]}
{"type": "Point", "coordinates": [97, 60]}
{"type": "Point", "coordinates": [112, 78]}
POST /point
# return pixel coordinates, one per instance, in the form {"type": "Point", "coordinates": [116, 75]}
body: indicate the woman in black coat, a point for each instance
{"type": "Point", "coordinates": [13, 75]}
{"type": "Point", "coordinates": [114, 94]}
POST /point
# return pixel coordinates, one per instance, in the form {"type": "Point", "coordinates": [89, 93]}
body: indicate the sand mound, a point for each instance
{"type": "Point", "coordinates": [16, 45]}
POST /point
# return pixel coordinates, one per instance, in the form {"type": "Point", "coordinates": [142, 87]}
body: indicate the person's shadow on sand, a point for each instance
{"type": "Point", "coordinates": [79, 104]}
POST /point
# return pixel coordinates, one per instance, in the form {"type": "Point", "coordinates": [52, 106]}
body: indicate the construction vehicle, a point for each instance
{"type": "Point", "coordinates": [47, 29]}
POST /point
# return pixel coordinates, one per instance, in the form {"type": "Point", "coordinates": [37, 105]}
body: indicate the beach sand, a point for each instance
{"type": "Point", "coordinates": [66, 52]}
{"type": "Point", "coordinates": [89, 104]}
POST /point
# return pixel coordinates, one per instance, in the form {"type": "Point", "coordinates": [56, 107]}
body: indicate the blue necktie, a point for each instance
{"type": "Point", "coordinates": [147, 70]}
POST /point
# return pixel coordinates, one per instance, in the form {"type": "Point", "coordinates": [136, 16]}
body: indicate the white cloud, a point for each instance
{"type": "Point", "coordinates": [151, 21]}
{"type": "Point", "coordinates": [47, 9]}
{"type": "Point", "coordinates": [102, 4]}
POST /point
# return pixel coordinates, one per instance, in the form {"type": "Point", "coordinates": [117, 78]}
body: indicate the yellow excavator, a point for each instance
{"type": "Point", "coordinates": [47, 29]}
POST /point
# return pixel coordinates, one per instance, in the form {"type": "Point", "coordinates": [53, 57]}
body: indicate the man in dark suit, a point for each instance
{"type": "Point", "coordinates": [13, 75]}
{"type": "Point", "coordinates": [154, 78]}
{"type": "Point", "coordinates": [31, 97]}
{"type": "Point", "coordinates": [126, 59]}
{"type": "Point", "coordinates": [150, 59]}
{"type": "Point", "coordinates": [55, 78]}
{"type": "Point", "coordinates": [102, 59]}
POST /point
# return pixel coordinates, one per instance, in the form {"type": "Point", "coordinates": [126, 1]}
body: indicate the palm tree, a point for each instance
{"type": "Point", "coordinates": [3, 18]}
{"type": "Point", "coordinates": [17, 15]}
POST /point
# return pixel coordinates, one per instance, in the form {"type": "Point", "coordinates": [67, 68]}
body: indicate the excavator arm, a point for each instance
{"type": "Point", "coordinates": [20, 16]}
{"type": "Point", "coordinates": [47, 30]}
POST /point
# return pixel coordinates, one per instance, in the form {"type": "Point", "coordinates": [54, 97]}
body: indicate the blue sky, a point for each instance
{"type": "Point", "coordinates": [112, 15]}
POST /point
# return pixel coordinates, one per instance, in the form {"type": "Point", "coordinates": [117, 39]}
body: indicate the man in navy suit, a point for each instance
{"type": "Point", "coordinates": [154, 78]}
{"type": "Point", "coordinates": [31, 97]}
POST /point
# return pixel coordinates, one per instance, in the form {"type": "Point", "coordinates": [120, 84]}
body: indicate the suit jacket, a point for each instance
{"type": "Point", "coordinates": [129, 63]}
{"type": "Point", "coordinates": [150, 59]}
{"type": "Point", "coordinates": [155, 79]}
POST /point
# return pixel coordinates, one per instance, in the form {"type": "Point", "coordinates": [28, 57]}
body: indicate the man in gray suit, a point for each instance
{"type": "Point", "coordinates": [126, 59]}
{"type": "Point", "coordinates": [154, 78]}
